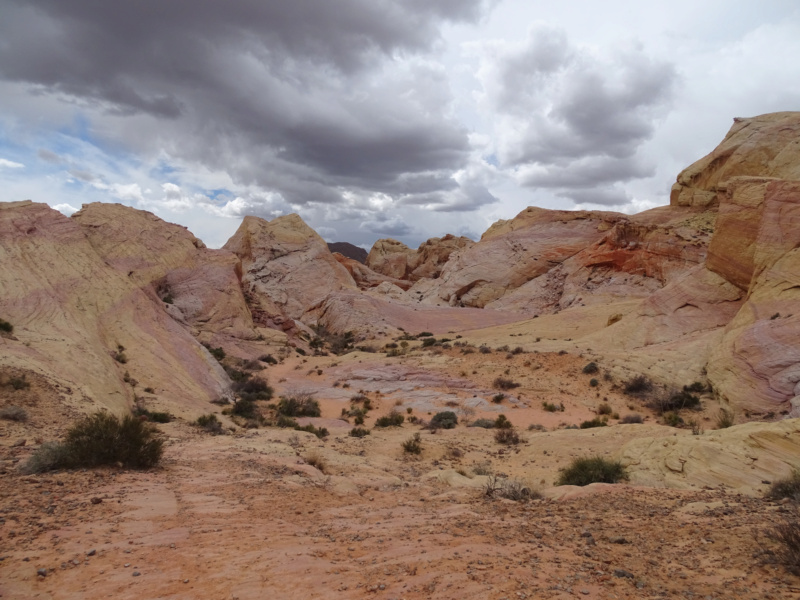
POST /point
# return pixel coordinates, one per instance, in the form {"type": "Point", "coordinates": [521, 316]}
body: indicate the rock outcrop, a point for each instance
{"type": "Point", "coordinates": [355, 253]}
{"type": "Point", "coordinates": [763, 146]}
{"type": "Point", "coordinates": [201, 286]}
{"type": "Point", "coordinates": [394, 259]}
{"type": "Point", "coordinates": [88, 327]}
{"type": "Point", "coordinates": [365, 277]}
{"type": "Point", "coordinates": [287, 266]}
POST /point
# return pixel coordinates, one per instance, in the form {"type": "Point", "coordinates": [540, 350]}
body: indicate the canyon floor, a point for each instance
{"type": "Point", "coordinates": [247, 514]}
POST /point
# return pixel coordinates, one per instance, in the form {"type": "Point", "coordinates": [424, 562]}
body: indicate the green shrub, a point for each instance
{"type": "Point", "coordinates": [393, 419]}
{"type": "Point", "coordinates": [13, 413]}
{"type": "Point", "coordinates": [359, 432]}
{"type": "Point", "coordinates": [484, 423]}
{"type": "Point", "coordinates": [672, 419]}
{"type": "Point", "coordinates": [788, 487]}
{"type": "Point", "coordinates": [252, 389]}
{"type": "Point", "coordinates": [593, 382]}
{"type": "Point", "coordinates": [632, 418]}
{"type": "Point", "coordinates": [637, 386]}
{"type": "Point", "coordinates": [498, 398]}
{"type": "Point", "coordinates": [502, 422]}
{"type": "Point", "coordinates": [154, 416]}
{"type": "Point", "coordinates": [19, 383]}
{"type": "Point", "coordinates": [591, 368]}
{"type": "Point", "coordinates": [6, 326]}
{"type": "Point", "coordinates": [285, 422]}
{"type": "Point", "coordinates": [550, 407]}
{"type": "Point", "coordinates": [424, 334]}
{"type": "Point", "coordinates": [583, 471]}
{"type": "Point", "coordinates": [299, 405]}
{"type": "Point", "coordinates": [503, 383]}
{"type": "Point", "coordinates": [444, 420]}
{"type": "Point", "coordinates": [428, 342]}
{"type": "Point", "coordinates": [596, 422]}
{"type": "Point", "coordinates": [245, 408]}
{"type": "Point", "coordinates": [507, 436]}
{"type": "Point", "coordinates": [413, 445]}
{"type": "Point", "coordinates": [210, 423]}
{"type": "Point", "coordinates": [604, 409]}
{"type": "Point", "coordinates": [320, 432]}
{"type": "Point", "coordinates": [168, 299]}
{"type": "Point", "coordinates": [102, 439]}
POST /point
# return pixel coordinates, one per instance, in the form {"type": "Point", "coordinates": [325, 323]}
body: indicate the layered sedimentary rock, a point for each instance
{"type": "Point", "coordinates": [763, 146]}
{"type": "Point", "coordinates": [287, 265]}
{"type": "Point", "coordinates": [87, 326]}
{"type": "Point", "coordinates": [201, 286]}
{"type": "Point", "coordinates": [394, 259]}
{"type": "Point", "coordinates": [365, 277]}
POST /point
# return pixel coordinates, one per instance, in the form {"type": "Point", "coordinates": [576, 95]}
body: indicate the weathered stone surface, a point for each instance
{"type": "Point", "coordinates": [71, 311]}
{"type": "Point", "coordinates": [763, 146]}
{"type": "Point", "coordinates": [511, 253]}
{"type": "Point", "coordinates": [394, 259]}
{"type": "Point", "coordinates": [285, 262]}
{"type": "Point", "coordinates": [365, 277]}
{"type": "Point", "coordinates": [166, 260]}
{"type": "Point", "coordinates": [739, 457]}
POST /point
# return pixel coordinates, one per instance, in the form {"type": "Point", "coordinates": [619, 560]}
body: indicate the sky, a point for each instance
{"type": "Point", "coordinates": [406, 119]}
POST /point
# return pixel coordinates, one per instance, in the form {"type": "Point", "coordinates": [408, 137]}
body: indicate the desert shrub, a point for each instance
{"type": "Point", "coordinates": [154, 416]}
{"type": "Point", "coordinates": [209, 423]}
{"type": "Point", "coordinates": [444, 420]}
{"type": "Point", "coordinates": [787, 536]}
{"type": "Point", "coordinates": [596, 422]}
{"type": "Point", "coordinates": [47, 457]}
{"type": "Point", "coordinates": [428, 342]}
{"type": "Point", "coordinates": [484, 423]}
{"type": "Point", "coordinates": [320, 432]}
{"type": "Point", "coordinates": [393, 419]}
{"type": "Point", "coordinates": [121, 357]}
{"type": "Point", "coordinates": [102, 439]}
{"type": "Point", "coordinates": [591, 368]}
{"type": "Point", "coordinates": [503, 383]}
{"type": "Point", "coordinates": [413, 445]}
{"type": "Point", "coordinates": [604, 409]}
{"type": "Point", "coordinates": [725, 418]}
{"type": "Point", "coordinates": [502, 422]}
{"type": "Point", "coordinates": [632, 418]}
{"type": "Point", "coordinates": [498, 398]}
{"type": "Point", "coordinates": [696, 387]}
{"type": "Point", "coordinates": [485, 350]}
{"type": "Point", "coordinates": [269, 359]}
{"type": "Point", "coordinates": [536, 427]}
{"type": "Point", "coordinates": [788, 487]}
{"type": "Point", "coordinates": [299, 405]}
{"type": "Point", "coordinates": [674, 401]}
{"type": "Point", "coordinates": [510, 489]}
{"type": "Point", "coordinates": [507, 436]}
{"type": "Point", "coordinates": [637, 386]}
{"type": "Point", "coordinates": [586, 470]}
{"type": "Point", "coordinates": [424, 334]}
{"type": "Point", "coordinates": [217, 353]}
{"type": "Point", "coordinates": [359, 432]}
{"type": "Point", "coordinates": [550, 407]}
{"type": "Point", "coordinates": [253, 388]}
{"type": "Point", "coordinates": [19, 383]}
{"type": "Point", "coordinates": [6, 326]}
{"type": "Point", "coordinates": [593, 382]}
{"type": "Point", "coordinates": [13, 413]}
{"type": "Point", "coordinates": [359, 398]}
{"type": "Point", "coordinates": [316, 460]}
{"type": "Point", "coordinates": [244, 408]}
{"type": "Point", "coordinates": [285, 422]}
{"type": "Point", "coordinates": [673, 419]}
{"type": "Point", "coordinates": [149, 390]}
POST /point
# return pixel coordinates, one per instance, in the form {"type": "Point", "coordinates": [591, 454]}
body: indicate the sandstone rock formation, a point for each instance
{"type": "Point", "coordinates": [287, 266]}
{"type": "Point", "coordinates": [763, 146]}
{"type": "Point", "coordinates": [365, 277]}
{"type": "Point", "coordinates": [394, 259]}
{"type": "Point", "coordinates": [355, 253]}
{"type": "Point", "coordinates": [201, 285]}
{"type": "Point", "coordinates": [86, 326]}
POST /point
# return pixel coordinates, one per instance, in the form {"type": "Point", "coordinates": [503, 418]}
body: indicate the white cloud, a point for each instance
{"type": "Point", "coordinates": [10, 164]}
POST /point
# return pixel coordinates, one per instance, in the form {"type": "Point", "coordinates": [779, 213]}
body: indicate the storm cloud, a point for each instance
{"type": "Point", "coordinates": [304, 99]}
{"type": "Point", "coordinates": [570, 117]}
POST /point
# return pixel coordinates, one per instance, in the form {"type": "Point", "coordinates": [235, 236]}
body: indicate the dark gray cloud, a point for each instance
{"type": "Point", "coordinates": [293, 97]}
{"type": "Point", "coordinates": [598, 195]}
{"type": "Point", "coordinates": [572, 118]}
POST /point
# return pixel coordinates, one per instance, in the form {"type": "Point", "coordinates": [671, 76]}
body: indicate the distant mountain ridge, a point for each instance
{"type": "Point", "coordinates": [350, 251]}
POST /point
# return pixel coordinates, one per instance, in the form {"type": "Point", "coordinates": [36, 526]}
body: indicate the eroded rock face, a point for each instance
{"type": "Point", "coordinates": [394, 259]}
{"type": "Point", "coordinates": [512, 253]}
{"type": "Point", "coordinates": [365, 277]}
{"type": "Point", "coordinates": [763, 146]}
{"type": "Point", "coordinates": [202, 286]}
{"type": "Point", "coordinates": [72, 312]}
{"type": "Point", "coordinates": [288, 265]}
{"type": "Point", "coordinates": [757, 247]}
